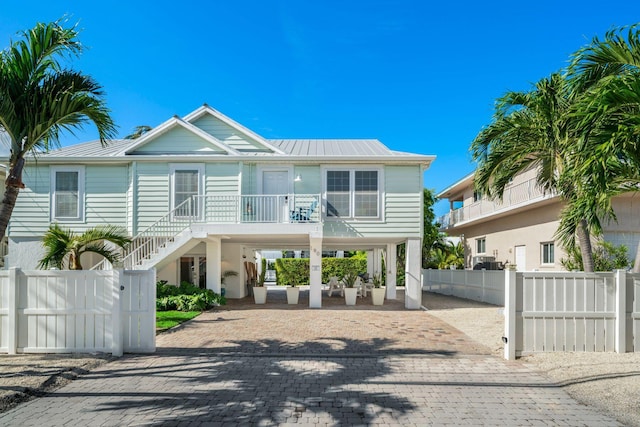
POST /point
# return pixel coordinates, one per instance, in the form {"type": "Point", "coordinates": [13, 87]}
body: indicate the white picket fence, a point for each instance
{"type": "Point", "coordinates": [77, 311]}
{"type": "Point", "coordinates": [555, 311]}
{"type": "Point", "coordinates": [486, 286]}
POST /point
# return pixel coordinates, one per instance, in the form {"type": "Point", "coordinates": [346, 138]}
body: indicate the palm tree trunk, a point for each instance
{"type": "Point", "coordinates": [11, 191]}
{"type": "Point", "coordinates": [8, 203]}
{"type": "Point", "coordinates": [584, 241]}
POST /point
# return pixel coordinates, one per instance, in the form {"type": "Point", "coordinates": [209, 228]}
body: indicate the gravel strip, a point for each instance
{"type": "Point", "coordinates": [25, 376]}
{"type": "Point", "coordinates": [607, 381]}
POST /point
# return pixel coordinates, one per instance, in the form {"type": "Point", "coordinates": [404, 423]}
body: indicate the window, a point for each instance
{"type": "Point", "coordinates": [186, 181]}
{"type": "Point", "coordinates": [477, 196]}
{"type": "Point", "coordinates": [548, 253]}
{"type": "Point", "coordinates": [67, 193]}
{"type": "Point", "coordinates": [353, 193]}
{"type": "Point", "coordinates": [481, 245]}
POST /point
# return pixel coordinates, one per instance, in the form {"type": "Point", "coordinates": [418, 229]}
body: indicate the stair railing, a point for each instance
{"type": "Point", "coordinates": [158, 235]}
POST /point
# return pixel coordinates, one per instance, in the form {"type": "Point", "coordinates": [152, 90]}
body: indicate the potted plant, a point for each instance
{"type": "Point", "coordinates": [260, 290]}
{"type": "Point", "coordinates": [350, 291]}
{"type": "Point", "coordinates": [293, 293]}
{"type": "Point", "coordinates": [377, 293]}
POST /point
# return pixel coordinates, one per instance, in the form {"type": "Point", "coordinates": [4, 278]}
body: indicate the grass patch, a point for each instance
{"type": "Point", "coordinates": [169, 319]}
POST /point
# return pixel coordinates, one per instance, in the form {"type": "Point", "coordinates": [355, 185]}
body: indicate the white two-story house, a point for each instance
{"type": "Point", "coordinates": [202, 194]}
{"type": "Point", "coordinates": [520, 229]}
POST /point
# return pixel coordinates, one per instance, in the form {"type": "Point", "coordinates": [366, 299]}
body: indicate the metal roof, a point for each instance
{"type": "Point", "coordinates": [293, 147]}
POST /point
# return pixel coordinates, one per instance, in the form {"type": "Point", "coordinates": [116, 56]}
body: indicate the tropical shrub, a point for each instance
{"type": "Point", "coordinates": [290, 271]}
{"type": "Point", "coordinates": [606, 257]}
{"type": "Point", "coordinates": [186, 297]}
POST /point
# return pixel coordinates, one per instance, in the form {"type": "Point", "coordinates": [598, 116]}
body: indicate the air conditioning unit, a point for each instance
{"type": "Point", "coordinates": [482, 259]}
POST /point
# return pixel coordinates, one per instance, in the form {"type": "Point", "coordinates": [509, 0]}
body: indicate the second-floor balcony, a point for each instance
{"type": "Point", "coordinates": [258, 208]}
{"type": "Point", "coordinates": [514, 196]}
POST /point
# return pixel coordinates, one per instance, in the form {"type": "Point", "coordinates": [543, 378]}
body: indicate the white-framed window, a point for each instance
{"type": "Point", "coordinates": [353, 193]}
{"type": "Point", "coordinates": [481, 245]}
{"type": "Point", "coordinates": [67, 193]}
{"type": "Point", "coordinates": [187, 181]}
{"type": "Point", "coordinates": [548, 249]}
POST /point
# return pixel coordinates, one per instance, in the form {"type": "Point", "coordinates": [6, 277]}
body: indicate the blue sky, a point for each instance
{"type": "Point", "coordinates": [420, 77]}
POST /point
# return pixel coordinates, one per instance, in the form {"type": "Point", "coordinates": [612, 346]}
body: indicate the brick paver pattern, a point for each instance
{"type": "Point", "coordinates": [276, 365]}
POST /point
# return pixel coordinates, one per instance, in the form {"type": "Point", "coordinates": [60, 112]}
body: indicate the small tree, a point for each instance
{"type": "Point", "coordinates": [64, 246]}
{"type": "Point", "coordinates": [606, 257]}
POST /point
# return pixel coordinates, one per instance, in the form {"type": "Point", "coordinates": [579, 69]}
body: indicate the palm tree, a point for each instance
{"type": "Point", "coordinates": [138, 131]}
{"type": "Point", "coordinates": [64, 245]}
{"type": "Point", "coordinates": [535, 130]}
{"type": "Point", "coordinates": [39, 99]}
{"type": "Point", "coordinates": [608, 72]}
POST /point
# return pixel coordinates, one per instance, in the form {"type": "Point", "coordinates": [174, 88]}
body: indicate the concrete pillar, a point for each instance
{"type": "Point", "coordinates": [377, 262]}
{"type": "Point", "coordinates": [370, 263]}
{"type": "Point", "coordinates": [413, 270]}
{"type": "Point", "coordinates": [315, 272]}
{"type": "Point", "coordinates": [391, 271]}
{"type": "Point", "coordinates": [214, 258]}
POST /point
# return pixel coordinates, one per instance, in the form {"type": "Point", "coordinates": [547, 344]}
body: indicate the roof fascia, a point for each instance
{"type": "Point", "coordinates": [206, 109]}
{"type": "Point", "coordinates": [461, 183]}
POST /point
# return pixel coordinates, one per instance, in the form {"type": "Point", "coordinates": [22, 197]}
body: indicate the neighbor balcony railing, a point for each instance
{"type": "Point", "coordinates": [514, 196]}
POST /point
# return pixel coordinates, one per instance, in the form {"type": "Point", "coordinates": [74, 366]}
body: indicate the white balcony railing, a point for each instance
{"type": "Point", "coordinates": [224, 209]}
{"type": "Point", "coordinates": [514, 196]}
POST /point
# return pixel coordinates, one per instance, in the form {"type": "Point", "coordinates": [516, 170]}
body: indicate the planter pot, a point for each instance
{"type": "Point", "coordinates": [350, 295]}
{"type": "Point", "coordinates": [293, 294]}
{"type": "Point", "coordinates": [377, 295]}
{"type": "Point", "coordinates": [260, 294]}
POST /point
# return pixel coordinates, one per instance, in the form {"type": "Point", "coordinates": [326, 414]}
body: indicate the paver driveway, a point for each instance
{"type": "Point", "coordinates": [333, 366]}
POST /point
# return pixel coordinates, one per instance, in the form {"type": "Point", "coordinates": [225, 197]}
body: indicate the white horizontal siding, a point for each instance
{"type": "Point", "coordinates": [222, 178]}
{"type": "Point", "coordinates": [31, 213]}
{"type": "Point", "coordinates": [227, 134]}
{"type": "Point", "coordinates": [179, 140]}
{"type": "Point", "coordinates": [152, 193]}
{"type": "Point", "coordinates": [106, 195]}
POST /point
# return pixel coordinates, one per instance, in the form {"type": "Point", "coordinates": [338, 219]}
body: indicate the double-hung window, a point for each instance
{"type": "Point", "coordinates": [67, 193]}
{"type": "Point", "coordinates": [548, 256]}
{"type": "Point", "coordinates": [353, 193]}
{"type": "Point", "coordinates": [186, 185]}
{"type": "Point", "coordinates": [481, 245]}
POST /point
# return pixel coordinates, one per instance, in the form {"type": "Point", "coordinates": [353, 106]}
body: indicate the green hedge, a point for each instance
{"type": "Point", "coordinates": [290, 271]}
{"type": "Point", "coordinates": [186, 297]}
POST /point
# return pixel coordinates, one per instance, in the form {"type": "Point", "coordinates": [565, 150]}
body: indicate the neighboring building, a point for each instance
{"type": "Point", "coordinates": [520, 229]}
{"type": "Point", "coordinates": [203, 194]}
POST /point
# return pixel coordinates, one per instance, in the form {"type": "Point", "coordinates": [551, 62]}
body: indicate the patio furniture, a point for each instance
{"type": "Point", "coordinates": [303, 214]}
{"type": "Point", "coordinates": [335, 285]}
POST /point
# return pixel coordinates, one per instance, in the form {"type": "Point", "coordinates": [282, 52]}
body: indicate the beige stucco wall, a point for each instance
{"type": "Point", "coordinates": [529, 228]}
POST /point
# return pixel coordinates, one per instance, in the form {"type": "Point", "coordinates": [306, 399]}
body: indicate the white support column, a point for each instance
{"type": "Point", "coordinates": [621, 311]}
{"type": "Point", "coordinates": [391, 271]}
{"type": "Point", "coordinates": [370, 263]}
{"type": "Point", "coordinates": [509, 338]}
{"type": "Point", "coordinates": [377, 262]}
{"type": "Point", "coordinates": [412, 278]}
{"type": "Point", "coordinates": [12, 333]}
{"type": "Point", "coordinates": [315, 271]}
{"type": "Point", "coordinates": [117, 336]}
{"type": "Point", "coordinates": [214, 259]}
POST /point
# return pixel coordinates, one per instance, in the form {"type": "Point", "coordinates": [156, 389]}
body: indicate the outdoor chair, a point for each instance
{"type": "Point", "coordinates": [303, 214]}
{"type": "Point", "coordinates": [335, 285]}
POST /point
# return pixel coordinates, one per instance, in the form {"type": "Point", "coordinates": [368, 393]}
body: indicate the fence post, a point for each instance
{"type": "Point", "coordinates": [12, 333]}
{"type": "Point", "coordinates": [509, 337]}
{"type": "Point", "coordinates": [621, 311]}
{"type": "Point", "coordinates": [116, 313]}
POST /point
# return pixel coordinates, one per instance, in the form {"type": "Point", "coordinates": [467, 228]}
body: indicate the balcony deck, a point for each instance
{"type": "Point", "coordinates": [515, 197]}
